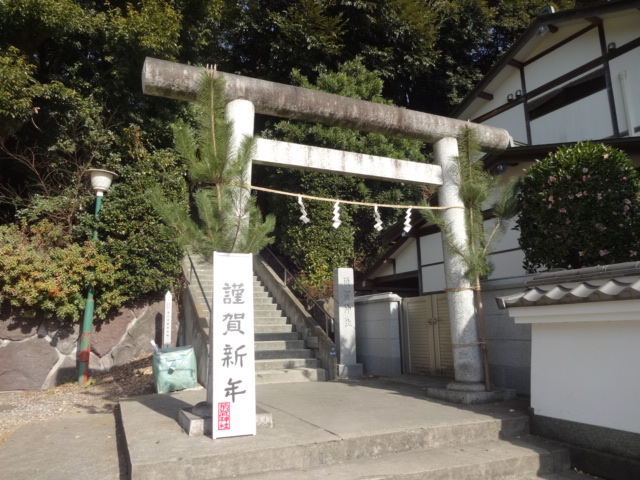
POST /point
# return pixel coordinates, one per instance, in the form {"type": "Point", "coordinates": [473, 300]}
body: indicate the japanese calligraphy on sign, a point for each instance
{"type": "Point", "coordinates": [232, 350]}
{"type": "Point", "coordinates": [344, 314]}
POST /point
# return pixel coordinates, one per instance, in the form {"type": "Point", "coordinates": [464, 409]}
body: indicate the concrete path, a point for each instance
{"type": "Point", "coordinates": [73, 447]}
{"type": "Point", "coordinates": [314, 423]}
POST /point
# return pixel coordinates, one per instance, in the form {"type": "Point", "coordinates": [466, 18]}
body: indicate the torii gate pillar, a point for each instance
{"type": "Point", "coordinates": [467, 358]}
{"type": "Point", "coordinates": [241, 114]}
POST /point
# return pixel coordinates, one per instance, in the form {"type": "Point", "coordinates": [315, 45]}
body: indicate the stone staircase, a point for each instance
{"type": "Point", "coordinates": [280, 353]}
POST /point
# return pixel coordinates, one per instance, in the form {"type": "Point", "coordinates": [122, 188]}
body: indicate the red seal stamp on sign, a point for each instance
{"type": "Point", "coordinates": [224, 416]}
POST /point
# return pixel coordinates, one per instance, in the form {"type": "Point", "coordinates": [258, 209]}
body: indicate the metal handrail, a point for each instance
{"type": "Point", "coordinates": [328, 319]}
{"type": "Point", "coordinates": [195, 272]}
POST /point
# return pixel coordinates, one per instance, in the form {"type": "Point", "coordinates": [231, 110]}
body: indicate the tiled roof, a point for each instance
{"type": "Point", "coordinates": [595, 284]}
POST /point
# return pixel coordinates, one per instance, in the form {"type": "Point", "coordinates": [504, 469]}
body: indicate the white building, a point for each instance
{"type": "Point", "coordinates": [571, 76]}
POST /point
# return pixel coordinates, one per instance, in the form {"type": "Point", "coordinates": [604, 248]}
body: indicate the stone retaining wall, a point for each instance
{"type": "Point", "coordinates": [508, 344]}
{"type": "Point", "coordinates": [40, 353]}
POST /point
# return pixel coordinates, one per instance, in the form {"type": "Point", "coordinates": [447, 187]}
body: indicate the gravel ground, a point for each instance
{"type": "Point", "coordinates": [101, 395]}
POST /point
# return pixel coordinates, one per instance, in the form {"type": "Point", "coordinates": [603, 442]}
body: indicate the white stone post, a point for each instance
{"type": "Point", "coordinates": [345, 318]}
{"type": "Point", "coordinates": [467, 358]}
{"type": "Point", "coordinates": [241, 114]}
{"type": "Point", "coordinates": [168, 317]}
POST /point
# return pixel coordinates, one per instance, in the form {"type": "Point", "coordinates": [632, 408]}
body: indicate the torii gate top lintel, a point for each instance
{"type": "Point", "coordinates": [174, 80]}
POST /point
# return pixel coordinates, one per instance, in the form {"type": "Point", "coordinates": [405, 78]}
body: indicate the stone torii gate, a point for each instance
{"type": "Point", "coordinates": [248, 96]}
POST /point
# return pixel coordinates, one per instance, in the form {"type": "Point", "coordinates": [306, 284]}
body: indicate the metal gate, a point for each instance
{"type": "Point", "coordinates": [427, 335]}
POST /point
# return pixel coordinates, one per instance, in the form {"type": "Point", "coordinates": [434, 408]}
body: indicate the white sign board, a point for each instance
{"type": "Point", "coordinates": [166, 336]}
{"type": "Point", "coordinates": [232, 346]}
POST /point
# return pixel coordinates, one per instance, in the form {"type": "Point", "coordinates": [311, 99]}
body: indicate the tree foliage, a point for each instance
{"type": "Point", "coordinates": [580, 207]}
{"type": "Point", "coordinates": [70, 99]}
{"type": "Point", "coordinates": [228, 218]}
{"type": "Point", "coordinates": [429, 53]}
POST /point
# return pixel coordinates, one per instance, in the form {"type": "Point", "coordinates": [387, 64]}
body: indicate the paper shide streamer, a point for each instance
{"type": "Point", "coordinates": [378, 221]}
{"type": "Point", "coordinates": [336, 215]}
{"type": "Point", "coordinates": [407, 221]}
{"type": "Point", "coordinates": [303, 217]}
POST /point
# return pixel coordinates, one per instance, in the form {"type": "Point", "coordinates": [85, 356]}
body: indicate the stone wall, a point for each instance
{"type": "Point", "coordinates": [378, 334]}
{"type": "Point", "coordinates": [41, 353]}
{"type": "Point", "coordinates": [508, 344]}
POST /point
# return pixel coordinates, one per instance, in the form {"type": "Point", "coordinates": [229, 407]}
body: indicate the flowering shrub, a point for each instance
{"type": "Point", "coordinates": [580, 207]}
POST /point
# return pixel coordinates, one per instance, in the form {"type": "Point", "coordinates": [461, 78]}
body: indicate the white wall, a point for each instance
{"type": "Point", "coordinates": [629, 63]}
{"type": "Point", "coordinates": [508, 81]}
{"type": "Point", "coordinates": [406, 257]}
{"type": "Point", "coordinates": [431, 249]}
{"type": "Point", "coordinates": [562, 60]}
{"type": "Point", "coordinates": [587, 119]}
{"type": "Point", "coordinates": [511, 120]}
{"type": "Point", "coordinates": [584, 362]}
{"type": "Point", "coordinates": [383, 270]}
{"type": "Point", "coordinates": [507, 264]}
{"type": "Point", "coordinates": [378, 334]}
{"type": "Point", "coordinates": [506, 261]}
{"type": "Point", "coordinates": [433, 278]}
{"type": "Point", "coordinates": [621, 30]}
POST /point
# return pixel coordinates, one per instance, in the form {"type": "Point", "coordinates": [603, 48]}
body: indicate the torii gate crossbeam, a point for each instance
{"type": "Point", "coordinates": [173, 80]}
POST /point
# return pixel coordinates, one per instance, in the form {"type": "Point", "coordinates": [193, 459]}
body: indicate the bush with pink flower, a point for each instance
{"type": "Point", "coordinates": [580, 207]}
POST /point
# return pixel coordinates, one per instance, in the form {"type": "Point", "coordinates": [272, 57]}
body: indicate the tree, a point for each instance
{"type": "Point", "coordinates": [317, 248]}
{"type": "Point", "coordinates": [70, 92]}
{"type": "Point", "coordinates": [579, 207]}
{"type": "Point", "coordinates": [477, 189]}
{"type": "Point", "coordinates": [228, 218]}
{"type": "Point", "coordinates": [70, 99]}
{"type": "Point", "coordinates": [270, 39]}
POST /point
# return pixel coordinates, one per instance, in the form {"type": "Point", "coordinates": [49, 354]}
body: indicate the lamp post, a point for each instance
{"type": "Point", "coordinates": [100, 182]}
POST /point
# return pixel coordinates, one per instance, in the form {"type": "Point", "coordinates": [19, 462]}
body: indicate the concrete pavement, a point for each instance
{"type": "Point", "coordinates": [321, 429]}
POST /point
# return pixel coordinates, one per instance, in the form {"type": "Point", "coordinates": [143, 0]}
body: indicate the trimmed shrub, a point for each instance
{"type": "Point", "coordinates": [580, 207]}
{"type": "Point", "coordinates": [43, 272]}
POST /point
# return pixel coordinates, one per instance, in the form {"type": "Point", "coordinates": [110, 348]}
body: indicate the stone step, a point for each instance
{"type": "Point", "coordinates": [282, 354]}
{"type": "Point", "coordinates": [270, 313]}
{"type": "Point", "coordinates": [276, 336]}
{"type": "Point", "coordinates": [286, 364]}
{"type": "Point", "coordinates": [514, 459]}
{"type": "Point", "coordinates": [262, 318]}
{"type": "Point", "coordinates": [264, 377]}
{"type": "Point", "coordinates": [284, 328]}
{"type": "Point", "coordinates": [263, 298]}
{"type": "Point", "coordinates": [270, 321]}
{"type": "Point", "coordinates": [263, 301]}
{"type": "Point", "coordinates": [279, 345]}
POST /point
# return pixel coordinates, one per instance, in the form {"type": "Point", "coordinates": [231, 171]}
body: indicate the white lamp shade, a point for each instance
{"type": "Point", "coordinates": [101, 179]}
